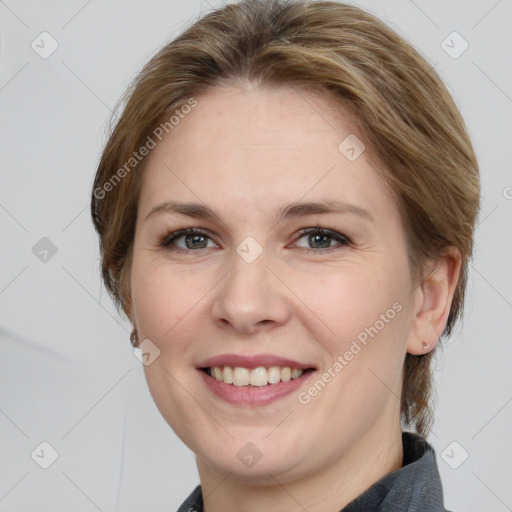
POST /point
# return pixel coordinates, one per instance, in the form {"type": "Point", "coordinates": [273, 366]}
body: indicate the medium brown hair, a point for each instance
{"type": "Point", "coordinates": [403, 109]}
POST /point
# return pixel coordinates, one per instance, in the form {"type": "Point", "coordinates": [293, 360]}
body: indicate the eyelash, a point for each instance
{"type": "Point", "coordinates": [170, 238]}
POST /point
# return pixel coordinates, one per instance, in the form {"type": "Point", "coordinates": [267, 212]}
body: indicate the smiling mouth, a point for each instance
{"type": "Point", "coordinates": [254, 377]}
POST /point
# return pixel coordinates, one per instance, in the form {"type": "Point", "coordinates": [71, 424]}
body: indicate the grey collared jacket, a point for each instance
{"type": "Point", "coordinates": [415, 487]}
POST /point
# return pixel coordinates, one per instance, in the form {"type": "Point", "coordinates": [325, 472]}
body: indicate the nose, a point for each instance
{"type": "Point", "coordinates": [250, 297]}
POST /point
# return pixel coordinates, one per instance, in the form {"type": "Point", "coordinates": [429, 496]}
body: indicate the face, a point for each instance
{"type": "Point", "coordinates": [315, 298]}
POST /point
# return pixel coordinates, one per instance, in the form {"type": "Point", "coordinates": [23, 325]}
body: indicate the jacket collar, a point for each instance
{"type": "Point", "coordinates": [415, 486]}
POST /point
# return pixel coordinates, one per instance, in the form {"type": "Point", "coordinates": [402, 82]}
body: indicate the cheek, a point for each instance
{"type": "Point", "coordinates": [159, 298]}
{"type": "Point", "coordinates": [347, 301]}
{"type": "Point", "coordinates": [171, 305]}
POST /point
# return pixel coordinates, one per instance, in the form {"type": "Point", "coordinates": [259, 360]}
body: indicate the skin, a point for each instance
{"type": "Point", "coordinates": [245, 150]}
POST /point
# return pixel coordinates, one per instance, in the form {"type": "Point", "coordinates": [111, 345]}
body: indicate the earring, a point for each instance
{"type": "Point", "coordinates": [134, 340]}
{"type": "Point", "coordinates": [425, 345]}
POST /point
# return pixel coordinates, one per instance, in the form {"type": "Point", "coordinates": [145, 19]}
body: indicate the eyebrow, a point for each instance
{"type": "Point", "coordinates": [287, 211]}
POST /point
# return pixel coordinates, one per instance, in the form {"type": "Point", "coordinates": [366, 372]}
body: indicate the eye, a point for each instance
{"type": "Point", "coordinates": [321, 238]}
{"type": "Point", "coordinates": [192, 237]}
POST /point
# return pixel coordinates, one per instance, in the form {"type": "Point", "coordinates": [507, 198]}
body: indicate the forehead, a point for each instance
{"type": "Point", "coordinates": [246, 146]}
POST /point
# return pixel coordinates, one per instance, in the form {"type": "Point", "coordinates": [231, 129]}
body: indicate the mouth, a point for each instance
{"type": "Point", "coordinates": [253, 380]}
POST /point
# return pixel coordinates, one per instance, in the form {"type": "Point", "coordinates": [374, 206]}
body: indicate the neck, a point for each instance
{"type": "Point", "coordinates": [376, 454]}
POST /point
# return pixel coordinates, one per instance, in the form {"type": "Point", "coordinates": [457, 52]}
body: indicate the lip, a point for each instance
{"type": "Point", "coordinates": [251, 396]}
{"type": "Point", "coordinates": [251, 362]}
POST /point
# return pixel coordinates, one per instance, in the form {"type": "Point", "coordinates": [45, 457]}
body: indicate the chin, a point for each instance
{"type": "Point", "coordinates": [254, 462]}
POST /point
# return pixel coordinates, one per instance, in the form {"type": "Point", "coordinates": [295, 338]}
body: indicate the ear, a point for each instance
{"type": "Point", "coordinates": [433, 299]}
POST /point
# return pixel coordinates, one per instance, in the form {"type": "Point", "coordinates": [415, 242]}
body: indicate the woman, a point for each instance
{"type": "Point", "coordinates": [286, 209]}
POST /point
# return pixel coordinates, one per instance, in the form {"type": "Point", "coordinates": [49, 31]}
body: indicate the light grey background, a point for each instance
{"type": "Point", "coordinates": [68, 376]}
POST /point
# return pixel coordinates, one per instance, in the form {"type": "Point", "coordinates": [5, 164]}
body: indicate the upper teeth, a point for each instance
{"type": "Point", "coordinates": [260, 376]}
